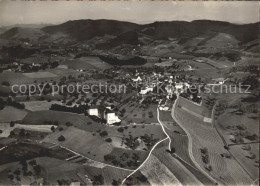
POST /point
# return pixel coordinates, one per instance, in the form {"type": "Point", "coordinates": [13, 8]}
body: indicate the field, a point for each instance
{"type": "Point", "coordinates": [40, 117]}
{"type": "Point", "coordinates": [182, 174]}
{"type": "Point", "coordinates": [51, 170]}
{"type": "Point", "coordinates": [164, 64]}
{"type": "Point", "coordinates": [199, 111]}
{"type": "Point", "coordinates": [54, 169]}
{"type": "Point", "coordinates": [11, 167]}
{"type": "Point", "coordinates": [109, 173]}
{"type": "Point", "coordinates": [26, 78]}
{"type": "Point", "coordinates": [17, 114]}
{"type": "Point", "coordinates": [5, 127]}
{"type": "Point", "coordinates": [205, 136]}
{"type": "Point", "coordinates": [38, 105]}
{"type": "Point", "coordinates": [41, 76]}
{"type": "Point", "coordinates": [135, 113]}
{"type": "Point", "coordinates": [157, 173]}
{"type": "Point", "coordinates": [128, 161]}
{"type": "Point", "coordinates": [229, 121]}
{"type": "Point", "coordinates": [82, 142]}
{"type": "Point", "coordinates": [86, 63]}
{"type": "Point", "coordinates": [36, 75]}
{"type": "Point", "coordinates": [244, 158]}
{"type": "Point", "coordinates": [179, 140]}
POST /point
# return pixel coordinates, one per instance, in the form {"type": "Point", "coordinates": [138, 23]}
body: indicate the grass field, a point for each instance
{"type": "Point", "coordinates": [157, 173]}
{"type": "Point", "coordinates": [40, 117]}
{"type": "Point", "coordinates": [228, 121]}
{"type": "Point", "coordinates": [38, 105]}
{"type": "Point", "coordinates": [199, 110]}
{"type": "Point", "coordinates": [184, 176]}
{"type": "Point", "coordinates": [11, 167]}
{"type": "Point", "coordinates": [82, 142]}
{"type": "Point", "coordinates": [136, 114]}
{"type": "Point", "coordinates": [36, 75]}
{"type": "Point", "coordinates": [86, 124]}
{"type": "Point", "coordinates": [86, 63]}
{"type": "Point", "coordinates": [54, 169]}
{"type": "Point", "coordinates": [51, 171]}
{"type": "Point", "coordinates": [249, 164]}
{"type": "Point", "coordinates": [12, 114]}
{"type": "Point", "coordinates": [27, 78]}
{"type": "Point", "coordinates": [118, 152]}
{"type": "Point", "coordinates": [41, 76]}
{"type": "Point", "coordinates": [203, 135]}
{"type": "Point", "coordinates": [109, 173]}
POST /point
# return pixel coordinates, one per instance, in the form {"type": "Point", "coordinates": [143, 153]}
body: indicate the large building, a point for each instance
{"type": "Point", "coordinates": [104, 113]}
{"type": "Point", "coordinates": [111, 117]}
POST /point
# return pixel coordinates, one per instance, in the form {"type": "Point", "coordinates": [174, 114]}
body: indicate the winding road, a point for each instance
{"type": "Point", "coordinates": [152, 148]}
{"type": "Point", "coordinates": [169, 146]}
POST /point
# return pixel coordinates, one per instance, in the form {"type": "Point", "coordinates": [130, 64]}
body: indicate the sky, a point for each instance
{"type": "Point", "coordinates": [55, 12]}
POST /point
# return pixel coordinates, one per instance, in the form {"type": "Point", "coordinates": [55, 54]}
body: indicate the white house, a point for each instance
{"type": "Point", "coordinates": [179, 85]}
{"type": "Point", "coordinates": [137, 79]}
{"type": "Point", "coordinates": [111, 117]}
{"type": "Point", "coordinates": [93, 111]}
{"type": "Point", "coordinates": [165, 108]}
{"type": "Point", "coordinates": [145, 90]}
{"type": "Point", "coordinates": [218, 81]}
{"type": "Point", "coordinates": [105, 113]}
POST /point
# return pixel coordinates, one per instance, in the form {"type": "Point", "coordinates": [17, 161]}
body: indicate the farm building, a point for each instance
{"type": "Point", "coordinates": [104, 113]}
{"type": "Point", "coordinates": [145, 90]}
{"type": "Point", "coordinates": [137, 79]}
{"type": "Point", "coordinates": [111, 117]}
{"type": "Point", "coordinates": [93, 111]}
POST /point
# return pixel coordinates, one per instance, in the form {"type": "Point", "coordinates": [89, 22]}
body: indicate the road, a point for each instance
{"type": "Point", "coordinates": [169, 146]}
{"type": "Point", "coordinates": [158, 117]}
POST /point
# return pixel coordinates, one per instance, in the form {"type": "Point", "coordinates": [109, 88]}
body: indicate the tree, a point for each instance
{"type": "Point", "coordinates": [116, 182]}
{"type": "Point", "coordinates": [11, 124]}
{"type": "Point", "coordinates": [22, 133]}
{"type": "Point", "coordinates": [52, 128]}
{"type": "Point", "coordinates": [37, 169]}
{"type": "Point", "coordinates": [68, 124]}
{"type": "Point", "coordinates": [5, 83]}
{"type": "Point", "coordinates": [17, 172]}
{"type": "Point", "coordinates": [61, 138]}
{"type": "Point", "coordinates": [98, 180]}
{"type": "Point", "coordinates": [120, 129]}
{"type": "Point", "coordinates": [11, 177]}
{"type": "Point", "coordinates": [142, 178]}
{"type": "Point", "coordinates": [109, 140]}
{"type": "Point", "coordinates": [103, 134]}
{"type": "Point", "coordinates": [32, 162]}
{"type": "Point", "coordinates": [173, 150]}
{"type": "Point", "coordinates": [12, 133]}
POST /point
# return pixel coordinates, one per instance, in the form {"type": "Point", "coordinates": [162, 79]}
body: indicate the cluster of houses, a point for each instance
{"type": "Point", "coordinates": [173, 86]}
{"type": "Point", "coordinates": [104, 113]}
{"type": "Point", "coordinates": [24, 67]}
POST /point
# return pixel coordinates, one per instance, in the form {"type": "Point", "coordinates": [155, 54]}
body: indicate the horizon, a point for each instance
{"type": "Point", "coordinates": [41, 12]}
{"type": "Point", "coordinates": [50, 24]}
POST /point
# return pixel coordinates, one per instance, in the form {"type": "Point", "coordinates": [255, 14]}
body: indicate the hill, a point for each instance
{"type": "Point", "coordinates": [87, 29]}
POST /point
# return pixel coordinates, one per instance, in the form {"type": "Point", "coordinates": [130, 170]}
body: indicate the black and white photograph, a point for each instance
{"type": "Point", "coordinates": [129, 93]}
